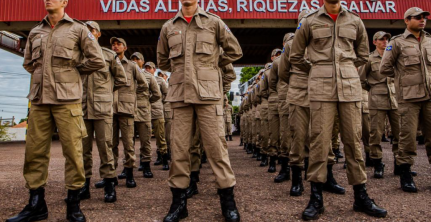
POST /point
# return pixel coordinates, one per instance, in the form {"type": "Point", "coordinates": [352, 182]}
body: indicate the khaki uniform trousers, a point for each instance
{"type": "Point", "coordinates": [210, 121]}
{"type": "Point", "coordinates": [322, 121]}
{"type": "Point", "coordinates": [168, 131]}
{"type": "Point", "coordinates": [251, 127]}
{"type": "Point", "coordinates": [299, 119]}
{"type": "Point", "coordinates": [228, 128]}
{"type": "Point", "coordinates": [258, 127]}
{"type": "Point", "coordinates": [71, 129]}
{"type": "Point", "coordinates": [159, 133]}
{"type": "Point", "coordinates": [274, 129]}
{"type": "Point", "coordinates": [410, 115]}
{"type": "Point", "coordinates": [366, 125]}
{"type": "Point", "coordinates": [242, 128]}
{"type": "Point", "coordinates": [144, 132]}
{"type": "Point", "coordinates": [264, 131]}
{"type": "Point", "coordinates": [285, 135]}
{"type": "Point", "coordinates": [378, 125]}
{"type": "Point", "coordinates": [125, 125]}
{"type": "Point", "coordinates": [336, 133]}
{"type": "Point", "coordinates": [103, 130]}
{"type": "Point", "coordinates": [196, 150]}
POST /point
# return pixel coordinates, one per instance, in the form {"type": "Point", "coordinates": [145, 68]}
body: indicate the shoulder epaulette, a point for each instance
{"type": "Point", "coordinates": [80, 22]}
{"type": "Point", "coordinates": [213, 15]}
{"type": "Point", "coordinates": [311, 13]}
{"type": "Point", "coordinates": [110, 51]}
{"type": "Point", "coordinates": [427, 34]}
{"type": "Point", "coordinates": [354, 13]}
{"type": "Point", "coordinates": [397, 36]}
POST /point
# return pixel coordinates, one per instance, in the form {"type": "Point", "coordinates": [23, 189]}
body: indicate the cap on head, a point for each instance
{"type": "Point", "coordinates": [93, 25]}
{"type": "Point", "coordinates": [380, 35]}
{"type": "Point", "coordinates": [414, 12]}
{"type": "Point", "coordinates": [113, 39]}
{"type": "Point", "coordinates": [303, 13]}
{"type": "Point", "coordinates": [150, 64]}
{"type": "Point", "coordinates": [287, 36]}
{"type": "Point", "coordinates": [137, 55]}
{"type": "Point", "coordinates": [275, 51]}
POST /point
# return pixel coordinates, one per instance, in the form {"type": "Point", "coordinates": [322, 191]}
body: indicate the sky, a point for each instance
{"type": "Point", "coordinates": [15, 85]}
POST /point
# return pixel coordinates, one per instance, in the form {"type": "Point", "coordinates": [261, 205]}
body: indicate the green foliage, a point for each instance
{"type": "Point", "coordinates": [248, 73]}
{"type": "Point", "coordinates": [4, 136]}
{"type": "Point", "coordinates": [235, 109]}
{"type": "Point", "coordinates": [22, 120]}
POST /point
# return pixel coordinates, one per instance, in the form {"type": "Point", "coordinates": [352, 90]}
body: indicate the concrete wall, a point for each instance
{"type": "Point", "coordinates": [17, 134]}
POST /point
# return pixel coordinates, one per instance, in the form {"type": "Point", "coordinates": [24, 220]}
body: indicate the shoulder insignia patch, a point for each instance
{"type": "Point", "coordinates": [91, 36]}
{"type": "Point", "coordinates": [389, 48]}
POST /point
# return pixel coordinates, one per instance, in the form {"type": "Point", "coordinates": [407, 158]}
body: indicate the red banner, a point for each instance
{"type": "Point", "coordinates": [33, 10]}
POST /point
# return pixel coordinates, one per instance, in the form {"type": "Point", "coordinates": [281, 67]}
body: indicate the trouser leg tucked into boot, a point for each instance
{"type": "Point", "coordinates": [284, 173]}
{"type": "Point", "coordinates": [406, 179]}
{"type": "Point", "coordinates": [364, 204]}
{"type": "Point", "coordinates": [141, 166]}
{"type": "Point", "coordinates": [272, 164]}
{"type": "Point", "coordinates": [110, 194]}
{"type": "Point", "coordinates": [130, 180]}
{"type": "Point", "coordinates": [159, 159]}
{"type": "Point", "coordinates": [193, 186]}
{"type": "Point", "coordinates": [84, 193]}
{"type": "Point", "coordinates": [178, 209]}
{"type": "Point", "coordinates": [264, 160]}
{"type": "Point", "coordinates": [74, 212]}
{"type": "Point", "coordinates": [36, 208]}
{"type": "Point", "coordinates": [297, 186]}
{"type": "Point", "coordinates": [165, 162]}
{"type": "Point", "coordinates": [379, 168]}
{"type": "Point", "coordinates": [368, 160]}
{"type": "Point", "coordinates": [122, 175]}
{"type": "Point", "coordinates": [331, 184]}
{"type": "Point", "coordinates": [147, 170]}
{"type": "Point", "coordinates": [101, 184]}
{"type": "Point", "coordinates": [250, 148]}
{"type": "Point", "coordinates": [256, 150]}
{"type": "Point", "coordinates": [259, 156]}
{"type": "Point", "coordinates": [228, 205]}
{"type": "Point", "coordinates": [315, 205]}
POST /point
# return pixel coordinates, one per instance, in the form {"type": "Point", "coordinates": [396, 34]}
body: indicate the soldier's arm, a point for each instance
{"type": "Point", "coordinates": [231, 49]}
{"type": "Point", "coordinates": [363, 75]}
{"type": "Point", "coordinates": [362, 48]}
{"type": "Point", "coordinates": [228, 76]}
{"type": "Point", "coordinates": [156, 94]}
{"type": "Point", "coordinates": [140, 79]}
{"type": "Point", "coordinates": [389, 59]}
{"type": "Point", "coordinates": [118, 72]}
{"type": "Point", "coordinates": [285, 65]}
{"type": "Point", "coordinates": [164, 90]}
{"type": "Point", "coordinates": [163, 51]}
{"type": "Point", "coordinates": [264, 86]}
{"type": "Point", "coordinates": [299, 45]}
{"type": "Point", "coordinates": [92, 52]}
{"type": "Point", "coordinates": [28, 62]}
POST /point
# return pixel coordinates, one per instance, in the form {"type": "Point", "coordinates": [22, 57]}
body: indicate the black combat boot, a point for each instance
{"type": "Point", "coordinates": [159, 159]}
{"type": "Point", "coordinates": [230, 137]}
{"type": "Point", "coordinates": [245, 146]}
{"type": "Point", "coordinates": [272, 164]}
{"type": "Point", "coordinates": [337, 153]}
{"type": "Point", "coordinates": [204, 158]}
{"type": "Point", "coordinates": [364, 204]}
{"type": "Point", "coordinates": [122, 175]}
{"type": "Point", "coordinates": [165, 162]}
{"type": "Point", "coordinates": [110, 194]}
{"type": "Point", "coordinates": [406, 179]}
{"type": "Point", "coordinates": [397, 170]}
{"type": "Point", "coordinates": [250, 148]}
{"type": "Point", "coordinates": [193, 186]}
{"type": "Point", "coordinates": [147, 170]}
{"type": "Point", "coordinates": [421, 140]}
{"type": "Point", "coordinates": [141, 166]}
{"type": "Point", "coordinates": [264, 160]}
{"type": "Point", "coordinates": [331, 184]}
{"type": "Point", "coordinates": [241, 143]}
{"type": "Point", "coordinates": [297, 186]}
{"type": "Point", "coordinates": [368, 160]}
{"type": "Point", "coordinates": [284, 173]}
{"type": "Point", "coordinates": [178, 208]}
{"type": "Point", "coordinates": [36, 208]}
{"type": "Point", "coordinates": [256, 150]}
{"type": "Point", "coordinates": [259, 156]}
{"type": "Point", "coordinates": [84, 193]}
{"type": "Point", "coordinates": [101, 184]}
{"type": "Point", "coordinates": [305, 167]}
{"type": "Point", "coordinates": [315, 205]}
{"type": "Point", "coordinates": [379, 169]}
{"type": "Point", "coordinates": [228, 205]}
{"type": "Point", "coordinates": [74, 213]}
{"type": "Point", "coordinates": [226, 138]}
{"type": "Point", "coordinates": [130, 181]}
{"type": "Point", "coordinates": [384, 139]}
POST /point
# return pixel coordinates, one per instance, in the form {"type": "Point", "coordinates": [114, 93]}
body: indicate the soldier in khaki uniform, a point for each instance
{"type": "Point", "coordinates": [335, 141]}
{"type": "Point", "coordinates": [227, 114]}
{"type": "Point", "coordinates": [195, 93]}
{"type": "Point", "coordinates": [256, 101]}
{"type": "Point", "coordinates": [366, 128]}
{"type": "Point", "coordinates": [167, 114]}
{"type": "Point", "coordinates": [125, 105]}
{"type": "Point", "coordinates": [336, 44]}
{"type": "Point", "coordinates": [408, 59]}
{"type": "Point", "coordinates": [97, 107]}
{"type": "Point", "coordinates": [54, 56]}
{"type": "Point", "coordinates": [143, 115]}
{"type": "Point", "coordinates": [382, 103]}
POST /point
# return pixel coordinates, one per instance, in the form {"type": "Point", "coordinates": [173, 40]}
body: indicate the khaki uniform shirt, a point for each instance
{"type": "Point", "coordinates": [409, 61]}
{"type": "Point", "coordinates": [335, 49]}
{"type": "Point", "coordinates": [147, 98]}
{"type": "Point", "coordinates": [381, 88]}
{"type": "Point", "coordinates": [191, 52]}
{"type": "Point", "coordinates": [364, 102]}
{"type": "Point", "coordinates": [157, 107]}
{"type": "Point", "coordinates": [227, 113]}
{"type": "Point", "coordinates": [125, 102]}
{"type": "Point", "coordinates": [264, 88]}
{"type": "Point", "coordinates": [273, 81]}
{"type": "Point", "coordinates": [98, 87]}
{"type": "Point", "coordinates": [55, 58]}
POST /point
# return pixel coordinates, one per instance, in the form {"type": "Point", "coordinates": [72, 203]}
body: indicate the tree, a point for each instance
{"type": "Point", "coordinates": [235, 109]}
{"type": "Point", "coordinates": [23, 119]}
{"type": "Point", "coordinates": [4, 136]}
{"type": "Point", "coordinates": [248, 73]}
